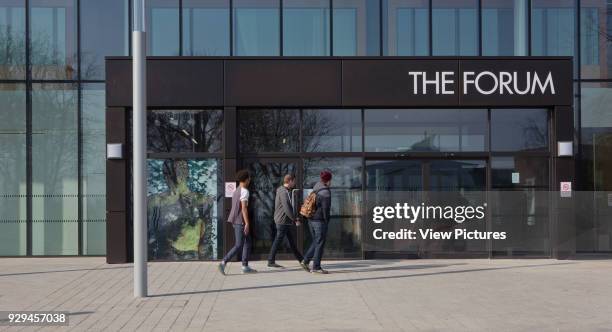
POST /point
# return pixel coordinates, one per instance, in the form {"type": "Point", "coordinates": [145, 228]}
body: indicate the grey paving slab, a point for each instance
{"type": "Point", "coordinates": [377, 295]}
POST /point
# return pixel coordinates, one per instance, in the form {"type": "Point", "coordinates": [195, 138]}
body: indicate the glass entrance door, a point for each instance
{"type": "Point", "coordinates": [437, 182]}
{"type": "Point", "coordinates": [266, 176]}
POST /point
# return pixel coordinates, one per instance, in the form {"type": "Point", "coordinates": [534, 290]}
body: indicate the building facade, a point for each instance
{"type": "Point", "coordinates": [56, 119]}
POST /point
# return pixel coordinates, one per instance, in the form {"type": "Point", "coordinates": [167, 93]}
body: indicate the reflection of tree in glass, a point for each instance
{"type": "Point", "coordinates": [534, 134]}
{"type": "Point", "coordinates": [50, 60]}
{"type": "Point", "coordinates": [269, 130]}
{"type": "Point", "coordinates": [173, 131]}
{"type": "Point", "coordinates": [54, 129]}
{"type": "Point", "coordinates": [12, 52]}
{"type": "Point", "coordinates": [182, 198]}
{"type": "Point", "coordinates": [265, 179]}
{"type": "Point", "coordinates": [317, 126]}
{"type": "Point", "coordinates": [12, 149]}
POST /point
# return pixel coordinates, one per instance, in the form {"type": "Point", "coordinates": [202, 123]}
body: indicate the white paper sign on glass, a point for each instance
{"type": "Point", "coordinates": [230, 188]}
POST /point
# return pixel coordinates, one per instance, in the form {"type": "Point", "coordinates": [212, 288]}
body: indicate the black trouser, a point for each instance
{"type": "Point", "coordinates": [282, 232]}
{"type": "Point", "coordinates": [242, 242]}
{"type": "Point", "coordinates": [318, 230]}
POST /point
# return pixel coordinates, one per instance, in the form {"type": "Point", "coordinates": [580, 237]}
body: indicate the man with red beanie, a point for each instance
{"type": "Point", "coordinates": [318, 223]}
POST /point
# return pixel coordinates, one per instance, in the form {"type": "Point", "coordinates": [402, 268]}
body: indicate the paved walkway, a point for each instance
{"type": "Point", "coordinates": [377, 295]}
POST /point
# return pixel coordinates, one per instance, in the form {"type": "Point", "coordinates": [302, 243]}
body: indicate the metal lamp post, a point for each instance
{"type": "Point", "coordinates": [139, 148]}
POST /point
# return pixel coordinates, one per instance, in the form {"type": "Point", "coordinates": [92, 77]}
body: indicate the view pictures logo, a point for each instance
{"type": "Point", "coordinates": [412, 213]}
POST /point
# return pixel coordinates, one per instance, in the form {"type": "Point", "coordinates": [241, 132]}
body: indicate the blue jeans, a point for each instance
{"type": "Point", "coordinates": [283, 231]}
{"type": "Point", "coordinates": [242, 242]}
{"type": "Point", "coordinates": [318, 230]}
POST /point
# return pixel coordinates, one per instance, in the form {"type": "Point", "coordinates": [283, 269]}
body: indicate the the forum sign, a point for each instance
{"type": "Point", "coordinates": [484, 83]}
{"type": "Point", "coordinates": [459, 82]}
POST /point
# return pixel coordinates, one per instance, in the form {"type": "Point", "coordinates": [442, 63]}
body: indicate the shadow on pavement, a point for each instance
{"type": "Point", "coordinates": [356, 279]}
{"type": "Point", "coordinates": [353, 267]}
{"type": "Point", "coordinates": [60, 271]}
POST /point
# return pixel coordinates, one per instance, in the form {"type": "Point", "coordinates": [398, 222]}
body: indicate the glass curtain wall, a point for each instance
{"type": "Point", "coordinates": [12, 40]}
{"type": "Point", "coordinates": [93, 169]}
{"type": "Point", "coordinates": [405, 27]}
{"type": "Point", "coordinates": [256, 27]}
{"type": "Point", "coordinates": [13, 169]}
{"type": "Point", "coordinates": [455, 27]}
{"type": "Point", "coordinates": [54, 169]}
{"type": "Point", "coordinates": [61, 86]}
{"type": "Point", "coordinates": [53, 39]}
{"type": "Point", "coordinates": [206, 27]}
{"type": "Point", "coordinates": [594, 228]}
{"type": "Point", "coordinates": [162, 19]}
{"type": "Point", "coordinates": [104, 31]}
{"type": "Point", "coordinates": [553, 27]}
{"type": "Point", "coordinates": [356, 25]}
{"type": "Point", "coordinates": [306, 27]}
{"type": "Point", "coordinates": [504, 27]}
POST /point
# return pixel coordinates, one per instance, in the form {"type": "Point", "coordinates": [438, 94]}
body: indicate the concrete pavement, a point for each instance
{"type": "Point", "coordinates": [373, 295]}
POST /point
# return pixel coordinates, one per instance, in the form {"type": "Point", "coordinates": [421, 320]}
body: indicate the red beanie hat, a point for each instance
{"type": "Point", "coordinates": [326, 176]}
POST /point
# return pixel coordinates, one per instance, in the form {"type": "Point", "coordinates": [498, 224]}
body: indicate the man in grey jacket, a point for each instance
{"type": "Point", "coordinates": [284, 218]}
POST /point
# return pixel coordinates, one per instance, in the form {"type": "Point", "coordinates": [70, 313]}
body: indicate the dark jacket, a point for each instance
{"type": "Point", "coordinates": [283, 209]}
{"type": "Point", "coordinates": [323, 202]}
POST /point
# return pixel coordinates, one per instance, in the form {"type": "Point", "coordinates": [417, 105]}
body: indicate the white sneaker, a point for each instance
{"type": "Point", "coordinates": [248, 270]}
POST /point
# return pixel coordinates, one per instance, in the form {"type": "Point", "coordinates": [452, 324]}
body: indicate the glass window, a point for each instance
{"type": "Point", "coordinates": [185, 209]}
{"type": "Point", "coordinates": [184, 130]}
{"type": "Point", "coordinates": [104, 31]}
{"type": "Point", "coordinates": [519, 130]}
{"type": "Point", "coordinates": [12, 39]}
{"type": "Point", "coordinates": [163, 27]}
{"type": "Point", "coordinates": [13, 169]}
{"type": "Point", "coordinates": [593, 215]}
{"type": "Point", "coordinates": [306, 27]}
{"type": "Point", "coordinates": [93, 173]}
{"type": "Point", "coordinates": [394, 175]}
{"type": "Point", "coordinates": [398, 130]}
{"type": "Point", "coordinates": [519, 172]}
{"type": "Point", "coordinates": [54, 169]}
{"type": "Point", "coordinates": [504, 27]}
{"type": "Point", "coordinates": [405, 27]}
{"type": "Point", "coordinates": [455, 27]}
{"type": "Point", "coordinates": [356, 27]}
{"type": "Point", "coordinates": [331, 130]}
{"type": "Point", "coordinates": [595, 45]}
{"type": "Point", "coordinates": [519, 204]}
{"type": "Point", "coordinates": [457, 176]}
{"type": "Point", "coordinates": [552, 27]}
{"type": "Point", "coordinates": [344, 233]}
{"type": "Point", "coordinates": [256, 27]}
{"type": "Point", "coordinates": [206, 29]}
{"type": "Point", "coordinates": [53, 39]}
{"type": "Point", "coordinates": [266, 177]}
{"type": "Point", "coordinates": [269, 130]}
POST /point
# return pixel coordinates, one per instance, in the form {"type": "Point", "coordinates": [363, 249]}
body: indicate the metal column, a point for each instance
{"type": "Point", "coordinates": [139, 148]}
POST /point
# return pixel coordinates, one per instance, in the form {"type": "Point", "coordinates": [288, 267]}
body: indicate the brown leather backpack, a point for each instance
{"type": "Point", "coordinates": [310, 205]}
